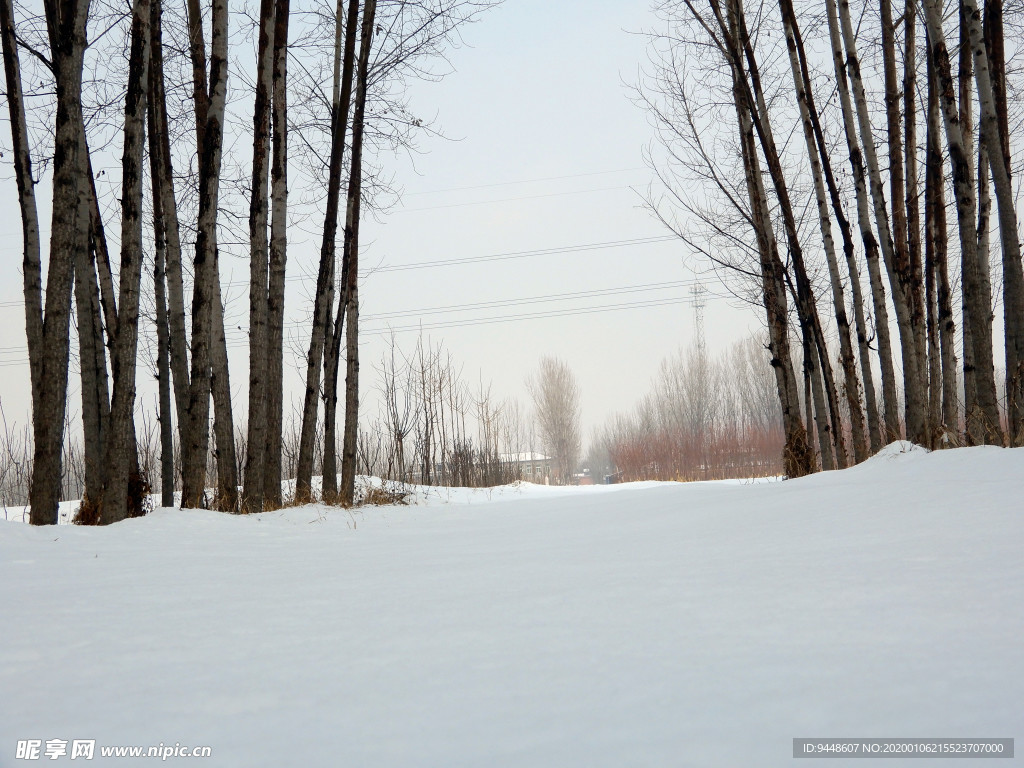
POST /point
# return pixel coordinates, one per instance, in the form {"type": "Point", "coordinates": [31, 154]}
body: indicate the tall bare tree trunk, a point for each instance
{"type": "Point", "coordinates": [165, 207]}
{"type": "Point", "coordinates": [849, 252]}
{"type": "Point", "coordinates": [978, 299]}
{"type": "Point", "coordinates": [331, 341]}
{"type": "Point", "coordinates": [332, 358]}
{"type": "Point", "coordinates": [115, 504]}
{"type": "Point", "coordinates": [1013, 283]}
{"type": "Point", "coordinates": [259, 266]}
{"type": "Point", "coordinates": [344, 66]}
{"type": "Point", "coordinates": [965, 76]}
{"type": "Point", "coordinates": [890, 420]}
{"type": "Point", "coordinates": [48, 332]}
{"type": "Point", "coordinates": [31, 264]}
{"type": "Point", "coordinates": [995, 139]}
{"type": "Point", "coordinates": [915, 274]}
{"type": "Point", "coordinates": [897, 255]}
{"type": "Point", "coordinates": [893, 254]}
{"type": "Point", "coordinates": [941, 325]}
{"type": "Point", "coordinates": [157, 117]}
{"type": "Point", "coordinates": [206, 309]}
{"type": "Point", "coordinates": [350, 439]}
{"type": "Point", "coordinates": [278, 260]}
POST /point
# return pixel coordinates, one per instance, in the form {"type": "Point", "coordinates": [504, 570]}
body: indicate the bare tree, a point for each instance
{"type": "Point", "coordinates": [259, 261]}
{"type": "Point", "coordinates": [983, 423]}
{"type": "Point", "coordinates": [805, 99]}
{"type": "Point", "coordinates": [890, 416]}
{"type": "Point", "coordinates": [278, 259]}
{"type": "Point", "coordinates": [344, 66]}
{"type": "Point", "coordinates": [120, 443]}
{"type": "Point", "coordinates": [166, 224]}
{"type": "Point", "coordinates": [350, 267]}
{"type": "Point", "coordinates": [904, 279]}
{"type": "Point", "coordinates": [894, 250]}
{"type": "Point", "coordinates": [47, 328]}
{"type": "Point", "coordinates": [209, 371]}
{"type": "Point", "coordinates": [332, 333]}
{"type": "Point", "coordinates": [160, 221]}
{"type": "Point", "coordinates": [556, 403]}
{"type": "Point", "coordinates": [996, 140]}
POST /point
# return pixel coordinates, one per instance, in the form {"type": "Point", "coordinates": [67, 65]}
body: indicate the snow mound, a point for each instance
{"type": "Point", "coordinates": [899, 450]}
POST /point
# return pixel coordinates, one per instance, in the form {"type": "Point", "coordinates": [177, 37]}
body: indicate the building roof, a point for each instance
{"type": "Point", "coordinates": [520, 458]}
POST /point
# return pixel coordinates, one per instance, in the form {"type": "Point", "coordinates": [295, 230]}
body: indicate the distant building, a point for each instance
{"type": "Point", "coordinates": [534, 467]}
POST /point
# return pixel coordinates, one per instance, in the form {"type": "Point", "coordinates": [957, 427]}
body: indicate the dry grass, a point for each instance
{"type": "Point", "coordinates": [384, 496]}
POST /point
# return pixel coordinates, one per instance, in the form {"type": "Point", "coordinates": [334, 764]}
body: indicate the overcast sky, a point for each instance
{"type": "Point", "coordinates": [546, 155]}
{"type": "Point", "coordinates": [550, 155]}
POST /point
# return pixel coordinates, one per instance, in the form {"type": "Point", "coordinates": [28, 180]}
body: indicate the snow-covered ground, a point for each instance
{"type": "Point", "coordinates": [705, 624]}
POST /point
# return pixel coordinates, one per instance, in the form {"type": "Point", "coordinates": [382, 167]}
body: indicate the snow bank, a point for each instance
{"type": "Point", "coordinates": [663, 625]}
{"type": "Point", "coordinates": [899, 449]}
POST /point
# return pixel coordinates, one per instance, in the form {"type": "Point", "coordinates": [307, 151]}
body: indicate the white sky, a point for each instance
{"type": "Point", "coordinates": [548, 155]}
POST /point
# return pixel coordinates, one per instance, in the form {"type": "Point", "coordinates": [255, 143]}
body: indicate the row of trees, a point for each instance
{"type": "Point", "coordinates": [843, 163]}
{"type": "Point", "coordinates": [705, 418]}
{"type": "Point", "coordinates": [71, 102]}
{"type": "Point", "coordinates": [433, 426]}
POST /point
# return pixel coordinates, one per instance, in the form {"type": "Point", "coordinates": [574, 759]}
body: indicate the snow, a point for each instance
{"type": "Point", "coordinates": [657, 624]}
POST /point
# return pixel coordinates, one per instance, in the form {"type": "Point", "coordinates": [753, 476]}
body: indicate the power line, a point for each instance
{"type": "Point", "coordinates": [643, 288]}
{"type": "Point", "coordinates": [513, 199]}
{"type": "Point", "coordinates": [523, 181]}
{"type": "Point", "coordinates": [647, 303]}
{"type": "Point", "coordinates": [499, 303]}
{"type": "Point", "coordinates": [503, 256]}
{"type": "Point", "coordinates": [508, 255]}
{"type": "Point", "coordinates": [558, 250]}
{"type": "Point", "coordinates": [530, 316]}
{"type": "Point", "coordinates": [466, 323]}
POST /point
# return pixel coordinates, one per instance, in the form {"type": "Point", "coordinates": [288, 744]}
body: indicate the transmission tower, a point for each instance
{"type": "Point", "coordinates": [698, 291]}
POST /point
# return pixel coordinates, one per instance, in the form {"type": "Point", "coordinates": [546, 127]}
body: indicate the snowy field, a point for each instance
{"type": "Point", "coordinates": [705, 624]}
